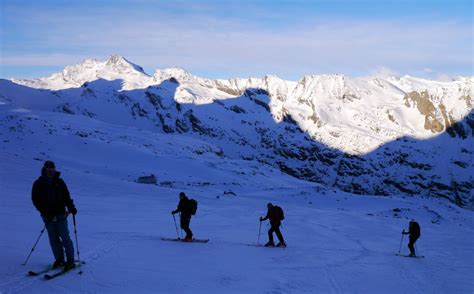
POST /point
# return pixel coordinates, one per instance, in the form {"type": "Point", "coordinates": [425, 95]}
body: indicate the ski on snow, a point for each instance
{"type": "Point", "coordinates": [51, 272]}
{"type": "Point", "coordinates": [40, 272]}
{"type": "Point", "coordinates": [405, 255]}
{"type": "Point", "coordinates": [186, 241]}
{"type": "Point", "coordinates": [58, 273]}
{"type": "Point", "coordinates": [261, 245]}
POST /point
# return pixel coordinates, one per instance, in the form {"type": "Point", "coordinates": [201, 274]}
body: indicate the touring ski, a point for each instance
{"type": "Point", "coordinates": [186, 241]}
{"type": "Point", "coordinates": [40, 272]}
{"type": "Point", "coordinates": [49, 270]}
{"type": "Point", "coordinates": [261, 245]}
{"type": "Point", "coordinates": [59, 273]}
{"type": "Point", "coordinates": [405, 255]}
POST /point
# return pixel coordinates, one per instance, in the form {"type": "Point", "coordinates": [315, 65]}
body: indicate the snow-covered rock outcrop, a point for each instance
{"type": "Point", "coordinates": [363, 135]}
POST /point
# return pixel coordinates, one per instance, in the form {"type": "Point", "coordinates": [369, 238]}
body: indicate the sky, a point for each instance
{"type": "Point", "coordinates": [225, 39]}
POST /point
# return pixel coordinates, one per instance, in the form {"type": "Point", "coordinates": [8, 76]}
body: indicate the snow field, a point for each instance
{"type": "Point", "coordinates": [337, 244]}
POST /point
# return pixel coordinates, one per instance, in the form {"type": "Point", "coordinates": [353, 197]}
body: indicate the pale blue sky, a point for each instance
{"type": "Point", "coordinates": [222, 39]}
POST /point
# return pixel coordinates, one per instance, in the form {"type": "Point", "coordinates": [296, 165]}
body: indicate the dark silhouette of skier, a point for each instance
{"type": "Point", "coordinates": [185, 208]}
{"type": "Point", "coordinates": [275, 214]}
{"type": "Point", "coordinates": [414, 233]}
{"type": "Point", "coordinates": [50, 196]}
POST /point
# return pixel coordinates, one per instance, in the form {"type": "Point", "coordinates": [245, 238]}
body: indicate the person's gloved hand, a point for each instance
{"type": "Point", "coordinates": [261, 219]}
{"type": "Point", "coordinates": [73, 210]}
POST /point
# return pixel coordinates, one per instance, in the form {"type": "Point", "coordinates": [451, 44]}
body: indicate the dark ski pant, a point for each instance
{"type": "Point", "coordinates": [275, 228]}
{"type": "Point", "coordinates": [185, 220]}
{"type": "Point", "coordinates": [59, 239]}
{"type": "Point", "coordinates": [411, 243]}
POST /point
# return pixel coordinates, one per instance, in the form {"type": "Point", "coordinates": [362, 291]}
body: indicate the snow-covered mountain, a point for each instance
{"type": "Point", "coordinates": [337, 242]}
{"type": "Point", "coordinates": [116, 67]}
{"type": "Point", "coordinates": [235, 145]}
{"type": "Point", "coordinates": [361, 135]}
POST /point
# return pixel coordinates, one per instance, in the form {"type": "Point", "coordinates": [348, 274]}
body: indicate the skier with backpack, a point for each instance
{"type": "Point", "coordinates": [186, 207]}
{"type": "Point", "coordinates": [51, 197]}
{"type": "Point", "coordinates": [414, 233]}
{"type": "Point", "coordinates": [275, 214]}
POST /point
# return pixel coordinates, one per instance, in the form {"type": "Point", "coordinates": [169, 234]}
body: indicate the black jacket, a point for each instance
{"type": "Point", "coordinates": [51, 197]}
{"type": "Point", "coordinates": [184, 206]}
{"type": "Point", "coordinates": [414, 230]}
{"type": "Point", "coordinates": [273, 216]}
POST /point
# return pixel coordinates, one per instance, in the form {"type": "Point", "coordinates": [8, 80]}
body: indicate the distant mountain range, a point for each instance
{"type": "Point", "coordinates": [398, 135]}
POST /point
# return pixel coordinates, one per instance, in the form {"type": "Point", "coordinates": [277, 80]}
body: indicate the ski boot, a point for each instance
{"type": "Point", "coordinates": [269, 244]}
{"type": "Point", "coordinates": [281, 245]}
{"type": "Point", "coordinates": [69, 265]}
{"type": "Point", "coordinates": [58, 264]}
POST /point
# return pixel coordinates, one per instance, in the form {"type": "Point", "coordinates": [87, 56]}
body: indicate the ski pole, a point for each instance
{"type": "Point", "coordinates": [400, 248]}
{"type": "Point", "coordinates": [176, 226]}
{"type": "Point", "coordinates": [259, 230]}
{"type": "Point", "coordinates": [77, 244]}
{"type": "Point", "coordinates": [34, 246]}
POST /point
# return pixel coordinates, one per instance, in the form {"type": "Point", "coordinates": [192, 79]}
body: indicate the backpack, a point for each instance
{"type": "Point", "coordinates": [193, 206]}
{"type": "Point", "coordinates": [415, 228]}
{"type": "Point", "coordinates": [279, 213]}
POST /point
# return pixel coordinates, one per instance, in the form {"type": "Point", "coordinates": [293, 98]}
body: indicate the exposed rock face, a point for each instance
{"type": "Point", "coordinates": [437, 118]}
{"type": "Point", "coordinates": [433, 121]}
{"type": "Point", "coordinates": [248, 131]}
{"type": "Point", "coordinates": [352, 134]}
{"type": "Point", "coordinates": [467, 99]}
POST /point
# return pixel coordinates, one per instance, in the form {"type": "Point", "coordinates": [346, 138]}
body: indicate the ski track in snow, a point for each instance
{"type": "Point", "coordinates": [17, 282]}
{"type": "Point", "coordinates": [337, 242]}
{"type": "Point", "coordinates": [321, 255]}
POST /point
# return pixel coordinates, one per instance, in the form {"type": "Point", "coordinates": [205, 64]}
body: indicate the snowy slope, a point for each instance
{"type": "Point", "coordinates": [355, 115]}
{"type": "Point", "coordinates": [360, 135]}
{"type": "Point", "coordinates": [337, 242]}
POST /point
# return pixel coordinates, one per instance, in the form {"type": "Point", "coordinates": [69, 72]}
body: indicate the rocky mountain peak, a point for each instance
{"type": "Point", "coordinates": [177, 73]}
{"type": "Point", "coordinates": [122, 65]}
{"type": "Point", "coordinates": [361, 135]}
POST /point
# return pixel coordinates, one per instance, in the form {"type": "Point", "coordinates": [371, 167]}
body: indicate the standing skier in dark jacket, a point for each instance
{"type": "Point", "coordinates": [275, 214]}
{"type": "Point", "coordinates": [185, 210]}
{"type": "Point", "coordinates": [50, 197]}
{"type": "Point", "coordinates": [414, 233]}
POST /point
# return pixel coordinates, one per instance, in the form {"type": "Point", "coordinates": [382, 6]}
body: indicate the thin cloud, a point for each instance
{"type": "Point", "coordinates": [40, 59]}
{"type": "Point", "coordinates": [211, 44]}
